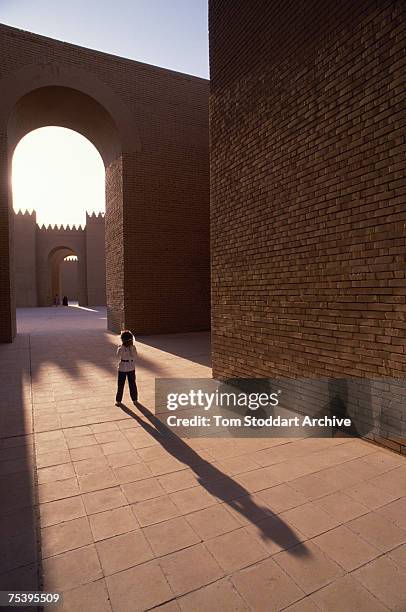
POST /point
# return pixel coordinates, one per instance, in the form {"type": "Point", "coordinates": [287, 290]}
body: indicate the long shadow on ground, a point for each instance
{"type": "Point", "coordinates": [217, 483]}
{"type": "Point", "coordinates": [19, 563]}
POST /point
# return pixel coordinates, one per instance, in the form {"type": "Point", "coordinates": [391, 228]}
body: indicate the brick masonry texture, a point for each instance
{"type": "Point", "coordinates": [308, 214]}
{"type": "Point", "coordinates": [151, 128]}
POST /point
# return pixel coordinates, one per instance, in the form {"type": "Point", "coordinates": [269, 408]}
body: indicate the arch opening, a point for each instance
{"type": "Point", "coordinates": [60, 176]}
{"type": "Point", "coordinates": [64, 280]}
{"type": "Point", "coordinates": [69, 108]}
{"type": "Point", "coordinates": [156, 189]}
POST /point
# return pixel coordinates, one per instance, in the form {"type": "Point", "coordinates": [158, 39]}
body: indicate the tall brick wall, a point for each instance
{"type": "Point", "coordinates": [308, 189]}
{"type": "Point", "coordinates": [114, 235]}
{"type": "Point", "coordinates": [7, 291]}
{"type": "Point", "coordinates": [151, 128]}
{"type": "Point", "coordinates": [95, 260]}
{"type": "Point", "coordinates": [25, 226]}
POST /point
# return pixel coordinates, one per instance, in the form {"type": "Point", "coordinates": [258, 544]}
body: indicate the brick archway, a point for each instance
{"type": "Point", "coordinates": [55, 261]}
{"type": "Point", "coordinates": [48, 271]}
{"type": "Point", "coordinates": [150, 126]}
{"type": "Point", "coordinates": [62, 105]}
{"type": "Point", "coordinates": [71, 108]}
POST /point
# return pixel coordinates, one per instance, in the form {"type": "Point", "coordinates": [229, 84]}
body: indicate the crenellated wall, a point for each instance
{"type": "Point", "coordinates": [53, 244]}
{"type": "Point", "coordinates": [39, 252]}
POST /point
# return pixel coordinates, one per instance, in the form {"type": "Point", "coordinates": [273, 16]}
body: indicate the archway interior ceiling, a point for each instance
{"type": "Point", "coordinates": [59, 253]}
{"type": "Point", "coordinates": [69, 108]}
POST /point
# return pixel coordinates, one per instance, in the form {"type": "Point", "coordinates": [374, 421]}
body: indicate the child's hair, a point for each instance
{"type": "Point", "coordinates": [127, 337]}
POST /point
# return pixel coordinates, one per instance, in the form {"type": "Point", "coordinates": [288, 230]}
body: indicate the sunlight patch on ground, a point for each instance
{"type": "Point", "coordinates": [82, 307]}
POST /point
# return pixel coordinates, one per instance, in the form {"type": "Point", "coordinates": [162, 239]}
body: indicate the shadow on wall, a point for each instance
{"type": "Point", "coordinates": [352, 399]}
{"type": "Point", "coordinates": [375, 406]}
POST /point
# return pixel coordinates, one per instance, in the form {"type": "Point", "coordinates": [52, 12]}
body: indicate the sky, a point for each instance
{"type": "Point", "coordinates": [168, 33]}
{"type": "Point", "coordinates": [59, 174]}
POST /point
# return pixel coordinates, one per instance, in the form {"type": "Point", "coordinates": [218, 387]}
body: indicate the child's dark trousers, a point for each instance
{"type": "Point", "coordinates": [131, 383]}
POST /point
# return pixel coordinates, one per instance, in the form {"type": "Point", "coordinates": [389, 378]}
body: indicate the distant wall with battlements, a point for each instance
{"type": "Point", "coordinates": [39, 268]}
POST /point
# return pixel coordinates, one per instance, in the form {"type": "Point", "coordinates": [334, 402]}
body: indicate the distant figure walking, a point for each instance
{"type": "Point", "coordinates": [65, 300]}
{"type": "Point", "coordinates": [57, 300]}
{"type": "Point", "coordinates": [126, 354]}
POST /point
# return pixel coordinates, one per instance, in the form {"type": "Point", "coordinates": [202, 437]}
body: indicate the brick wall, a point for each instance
{"type": "Point", "coordinates": [25, 272]}
{"type": "Point", "coordinates": [151, 128]}
{"type": "Point", "coordinates": [95, 260]}
{"type": "Point", "coordinates": [308, 190]}
{"type": "Point", "coordinates": [7, 293]}
{"type": "Point", "coordinates": [115, 246]}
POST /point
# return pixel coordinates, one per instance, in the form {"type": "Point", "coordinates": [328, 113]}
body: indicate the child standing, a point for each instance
{"type": "Point", "coordinates": [126, 354]}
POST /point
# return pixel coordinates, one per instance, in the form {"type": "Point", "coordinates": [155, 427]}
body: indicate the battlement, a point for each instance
{"type": "Point", "coordinates": [60, 228]}
{"type": "Point", "coordinates": [91, 217]}
{"type": "Point", "coordinates": [32, 215]}
{"type": "Point", "coordinates": [26, 214]}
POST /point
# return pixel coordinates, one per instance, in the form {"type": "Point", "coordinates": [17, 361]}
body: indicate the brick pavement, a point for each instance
{"type": "Point", "coordinates": [100, 504]}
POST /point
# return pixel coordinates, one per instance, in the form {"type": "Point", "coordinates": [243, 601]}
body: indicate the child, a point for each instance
{"type": "Point", "coordinates": [126, 354]}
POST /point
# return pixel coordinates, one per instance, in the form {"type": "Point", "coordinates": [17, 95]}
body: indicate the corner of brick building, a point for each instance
{"type": "Point", "coordinates": [308, 189]}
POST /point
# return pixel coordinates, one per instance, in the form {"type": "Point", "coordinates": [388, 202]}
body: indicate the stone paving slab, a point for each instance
{"type": "Point", "coordinates": [99, 504]}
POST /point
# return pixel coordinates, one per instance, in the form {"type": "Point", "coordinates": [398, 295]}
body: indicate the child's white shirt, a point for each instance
{"type": "Point", "coordinates": [126, 358]}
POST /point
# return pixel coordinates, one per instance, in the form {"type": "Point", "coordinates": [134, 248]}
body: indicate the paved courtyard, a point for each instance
{"type": "Point", "coordinates": [100, 504]}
